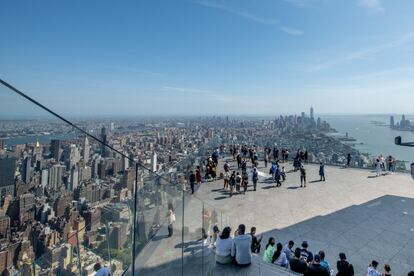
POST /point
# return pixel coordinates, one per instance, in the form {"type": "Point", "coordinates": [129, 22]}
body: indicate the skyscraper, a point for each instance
{"type": "Point", "coordinates": [311, 113]}
{"type": "Point", "coordinates": [26, 169]}
{"type": "Point", "coordinates": [86, 150]}
{"type": "Point", "coordinates": [392, 122]}
{"type": "Point", "coordinates": [7, 174]}
{"type": "Point", "coordinates": [55, 176]}
{"type": "Point", "coordinates": [154, 162]}
{"type": "Point", "coordinates": [45, 177]}
{"type": "Point", "coordinates": [2, 144]}
{"type": "Point", "coordinates": [74, 178]}
{"type": "Point", "coordinates": [104, 140]}
{"type": "Point", "coordinates": [55, 149]}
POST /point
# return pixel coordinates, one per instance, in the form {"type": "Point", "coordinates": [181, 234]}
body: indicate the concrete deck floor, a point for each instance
{"type": "Point", "coordinates": [352, 212]}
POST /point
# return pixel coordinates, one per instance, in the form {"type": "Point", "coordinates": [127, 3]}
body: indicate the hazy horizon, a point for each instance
{"type": "Point", "coordinates": [207, 57]}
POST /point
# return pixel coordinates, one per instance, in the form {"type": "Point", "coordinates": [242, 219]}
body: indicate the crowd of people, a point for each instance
{"type": "Point", "coordinates": [240, 248]}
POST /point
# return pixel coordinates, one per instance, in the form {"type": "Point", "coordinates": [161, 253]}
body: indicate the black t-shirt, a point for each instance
{"type": "Point", "coordinates": [298, 266]}
{"type": "Point", "coordinates": [317, 270]}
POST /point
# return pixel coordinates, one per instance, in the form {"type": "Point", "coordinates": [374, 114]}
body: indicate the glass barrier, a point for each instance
{"type": "Point", "coordinates": [96, 194]}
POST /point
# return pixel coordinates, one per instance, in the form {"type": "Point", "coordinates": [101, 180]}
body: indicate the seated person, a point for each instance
{"type": "Point", "coordinates": [279, 257]}
{"type": "Point", "coordinates": [270, 250]}
{"type": "Point", "coordinates": [306, 255]}
{"type": "Point", "coordinates": [323, 262]}
{"type": "Point", "coordinates": [296, 264]}
{"type": "Point", "coordinates": [224, 244]}
{"type": "Point", "coordinates": [255, 241]}
{"type": "Point", "coordinates": [241, 249]}
{"type": "Point", "coordinates": [344, 268]}
{"type": "Point", "coordinates": [315, 269]}
{"type": "Point", "coordinates": [288, 250]}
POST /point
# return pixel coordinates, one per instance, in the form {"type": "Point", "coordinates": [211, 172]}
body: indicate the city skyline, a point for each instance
{"type": "Point", "coordinates": [210, 57]}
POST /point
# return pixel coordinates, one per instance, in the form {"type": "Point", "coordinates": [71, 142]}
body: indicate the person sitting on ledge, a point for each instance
{"type": "Point", "coordinates": [279, 257]}
{"type": "Point", "coordinates": [255, 241]}
{"type": "Point", "coordinates": [306, 255]}
{"type": "Point", "coordinates": [224, 244]}
{"type": "Point", "coordinates": [315, 269]}
{"type": "Point", "coordinates": [323, 262]}
{"type": "Point", "coordinates": [241, 249]}
{"type": "Point", "coordinates": [296, 264]}
{"type": "Point", "coordinates": [270, 250]}
{"type": "Point", "coordinates": [288, 250]}
{"type": "Point", "coordinates": [344, 268]}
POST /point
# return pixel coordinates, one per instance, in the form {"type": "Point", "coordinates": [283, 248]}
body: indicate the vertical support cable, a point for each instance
{"type": "Point", "coordinates": [134, 240]}
{"type": "Point", "coordinates": [182, 234]}
{"type": "Point", "coordinates": [202, 240]}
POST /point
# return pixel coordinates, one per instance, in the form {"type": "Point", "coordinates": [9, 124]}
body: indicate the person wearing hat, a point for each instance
{"type": "Point", "coordinates": [315, 269]}
{"type": "Point", "coordinates": [344, 267]}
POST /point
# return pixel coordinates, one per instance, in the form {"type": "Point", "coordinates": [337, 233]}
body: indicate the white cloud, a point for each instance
{"type": "Point", "coordinates": [362, 54]}
{"type": "Point", "coordinates": [244, 14]}
{"type": "Point", "coordinates": [185, 90]}
{"type": "Point", "coordinates": [292, 31]}
{"type": "Point", "coordinates": [372, 5]}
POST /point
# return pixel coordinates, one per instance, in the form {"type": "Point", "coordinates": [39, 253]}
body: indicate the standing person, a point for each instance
{"type": "Point", "coordinates": [226, 180]}
{"type": "Point", "coordinates": [238, 182]}
{"type": "Point", "coordinates": [170, 219]}
{"type": "Point", "coordinates": [287, 155]}
{"type": "Point", "coordinates": [232, 183]}
{"type": "Point", "coordinates": [372, 269]}
{"type": "Point", "coordinates": [344, 267]}
{"type": "Point", "coordinates": [265, 158]}
{"type": "Point", "coordinates": [198, 175]}
{"type": "Point", "coordinates": [283, 174]}
{"type": "Point", "coordinates": [378, 167]}
{"type": "Point", "coordinates": [239, 160]}
{"type": "Point", "coordinates": [270, 250]}
{"type": "Point", "coordinates": [255, 178]}
{"type": "Point", "coordinates": [348, 160]}
{"type": "Point", "coordinates": [389, 163]}
{"type": "Point", "coordinates": [241, 249]}
{"type": "Point", "coordinates": [306, 156]}
{"type": "Point", "coordinates": [255, 241]}
{"type": "Point", "coordinates": [277, 177]}
{"type": "Point", "coordinates": [322, 171]}
{"type": "Point", "coordinates": [302, 176]}
{"type": "Point", "coordinates": [387, 270]}
{"type": "Point", "coordinates": [226, 167]}
{"type": "Point", "coordinates": [279, 257]}
{"type": "Point", "coordinates": [192, 181]}
{"type": "Point", "coordinates": [245, 182]}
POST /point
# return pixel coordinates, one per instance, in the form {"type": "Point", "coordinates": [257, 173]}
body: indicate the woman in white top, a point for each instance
{"type": "Point", "coordinates": [279, 258]}
{"type": "Point", "coordinates": [224, 244]}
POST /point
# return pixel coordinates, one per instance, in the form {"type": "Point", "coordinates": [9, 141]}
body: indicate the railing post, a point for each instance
{"type": "Point", "coordinates": [182, 234]}
{"type": "Point", "coordinates": [134, 240]}
{"type": "Point", "coordinates": [202, 240]}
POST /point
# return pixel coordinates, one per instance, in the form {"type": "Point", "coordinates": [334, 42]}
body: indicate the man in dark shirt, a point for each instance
{"type": "Point", "coordinates": [255, 241]}
{"type": "Point", "coordinates": [296, 264]}
{"type": "Point", "coordinates": [344, 268]}
{"type": "Point", "coordinates": [192, 181]}
{"type": "Point", "coordinates": [306, 255]}
{"type": "Point", "coordinates": [316, 269]}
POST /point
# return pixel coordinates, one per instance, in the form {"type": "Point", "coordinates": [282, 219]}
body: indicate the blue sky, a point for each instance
{"type": "Point", "coordinates": [210, 56]}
